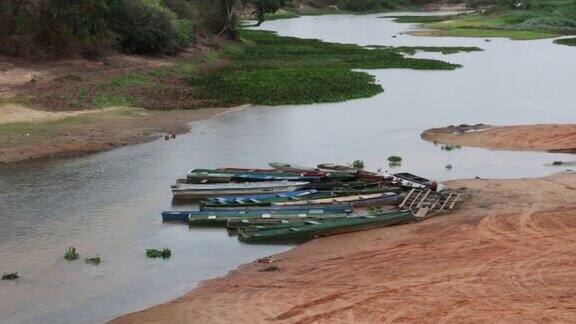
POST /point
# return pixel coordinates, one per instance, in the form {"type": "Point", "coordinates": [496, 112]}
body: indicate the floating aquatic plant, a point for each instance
{"type": "Point", "coordinates": [93, 261]}
{"type": "Point", "coordinates": [153, 253]}
{"type": "Point", "coordinates": [449, 166]}
{"type": "Point", "coordinates": [358, 164]}
{"type": "Point", "coordinates": [451, 147]}
{"type": "Point", "coordinates": [394, 160]}
{"type": "Point", "coordinates": [71, 254]}
{"type": "Point", "coordinates": [557, 163]}
{"type": "Point", "coordinates": [10, 276]}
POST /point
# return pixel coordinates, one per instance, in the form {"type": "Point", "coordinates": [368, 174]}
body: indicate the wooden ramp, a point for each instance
{"type": "Point", "coordinates": [424, 202]}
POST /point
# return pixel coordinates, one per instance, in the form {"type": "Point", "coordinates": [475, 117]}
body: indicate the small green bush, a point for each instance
{"type": "Point", "coordinates": [71, 254]}
{"type": "Point", "coordinates": [153, 253]}
{"type": "Point", "coordinates": [93, 261]}
{"type": "Point", "coordinates": [10, 276]}
{"type": "Point", "coordinates": [394, 160]}
{"type": "Point", "coordinates": [451, 147]}
{"type": "Point", "coordinates": [358, 164]}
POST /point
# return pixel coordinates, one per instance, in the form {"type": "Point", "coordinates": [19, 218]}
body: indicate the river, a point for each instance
{"type": "Point", "coordinates": [109, 203]}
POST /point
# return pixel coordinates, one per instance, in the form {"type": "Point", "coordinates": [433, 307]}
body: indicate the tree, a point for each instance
{"type": "Point", "coordinates": [264, 7]}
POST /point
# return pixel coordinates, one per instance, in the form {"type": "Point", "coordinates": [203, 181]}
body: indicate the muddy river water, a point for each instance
{"type": "Point", "coordinates": [109, 204]}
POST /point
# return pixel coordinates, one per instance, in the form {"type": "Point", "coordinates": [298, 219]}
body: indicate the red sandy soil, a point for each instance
{"type": "Point", "coordinates": [508, 255]}
{"type": "Point", "coordinates": [544, 137]}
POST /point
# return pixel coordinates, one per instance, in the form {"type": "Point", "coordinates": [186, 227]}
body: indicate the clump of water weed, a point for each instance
{"type": "Point", "coordinates": [10, 276]}
{"type": "Point", "coordinates": [93, 261]}
{"type": "Point", "coordinates": [153, 253]}
{"type": "Point", "coordinates": [449, 166]}
{"type": "Point", "coordinates": [71, 254]}
{"type": "Point", "coordinates": [557, 163]}
{"type": "Point", "coordinates": [451, 147]}
{"type": "Point", "coordinates": [394, 161]}
{"type": "Point", "coordinates": [358, 164]}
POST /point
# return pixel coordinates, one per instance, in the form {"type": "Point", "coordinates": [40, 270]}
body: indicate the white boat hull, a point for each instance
{"type": "Point", "coordinates": [199, 192]}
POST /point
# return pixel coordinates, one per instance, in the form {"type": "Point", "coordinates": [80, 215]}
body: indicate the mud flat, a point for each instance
{"type": "Point", "coordinates": [557, 138]}
{"type": "Point", "coordinates": [507, 255]}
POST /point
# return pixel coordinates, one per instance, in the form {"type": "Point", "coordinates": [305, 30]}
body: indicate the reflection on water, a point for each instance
{"type": "Point", "coordinates": [108, 204]}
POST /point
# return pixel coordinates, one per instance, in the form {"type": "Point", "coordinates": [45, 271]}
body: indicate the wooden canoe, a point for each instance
{"type": "Point", "coordinates": [316, 228]}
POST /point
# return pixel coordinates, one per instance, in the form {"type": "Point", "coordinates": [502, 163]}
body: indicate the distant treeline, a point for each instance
{"type": "Point", "coordinates": [369, 5]}
{"type": "Point", "coordinates": [54, 28]}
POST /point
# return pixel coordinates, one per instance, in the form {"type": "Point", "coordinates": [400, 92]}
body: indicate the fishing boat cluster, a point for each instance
{"type": "Point", "coordinates": [295, 203]}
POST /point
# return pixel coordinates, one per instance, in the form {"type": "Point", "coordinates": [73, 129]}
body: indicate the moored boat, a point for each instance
{"type": "Point", "coordinates": [263, 199]}
{"type": "Point", "coordinates": [336, 167]}
{"type": "Point", "coordinates": [199, 191]}
{"type": "Point", "coordinates": [412, 181]}
{"type": "Point", "coordinates": [377, 199]}
{"type": "Point", "coordinates": [316, 228]}
{"type": "Point", "coordinates": [287, 167]}
{"type": "Point", "coordinates": [222, 220]}
{"type": "Point", "coordinates": [336, 207]}
{"type": "Point", "coordinates": [185, 215]}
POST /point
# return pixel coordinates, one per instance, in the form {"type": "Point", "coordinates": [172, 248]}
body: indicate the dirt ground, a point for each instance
{"type": "Point", "coordinates": [32, 128]}
{"type": "Point", "coordinates": [508, 255]}
{"type": "Point", "coordinates": [543, 137]}
{"type": "Point", "coordinates": [89, 132]}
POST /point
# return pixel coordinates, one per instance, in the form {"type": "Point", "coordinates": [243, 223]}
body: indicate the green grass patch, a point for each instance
{"type": "Point", "coordinates": [272, 70]}
{"type": "Point", "coordinates": [490, 33]}
{"type": "Point", "coordinates": [566, 41]}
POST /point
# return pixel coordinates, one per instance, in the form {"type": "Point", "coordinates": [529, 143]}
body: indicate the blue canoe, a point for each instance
{"type": "Point", "coordinates": [183, 216]}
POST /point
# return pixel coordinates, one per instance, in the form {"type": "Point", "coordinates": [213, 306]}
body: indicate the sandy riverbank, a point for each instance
{"type": "Point", "coordinates": [545, 137]}
{"type": "Point", "coordinates": [45, 135]}
{"type": "Point", "coordinates": [507, 255]}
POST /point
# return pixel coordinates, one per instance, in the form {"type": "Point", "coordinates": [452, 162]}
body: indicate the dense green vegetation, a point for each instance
{"type": "Point", "coordinates": [272, 70]}
{"type": "Point", "coordinates": [154, 253]}
{"type": "Point", "coordinates": [566, 41]}
{"type": "Point", "coordinates": [263, 68]}
{"type": "Point", "coordinates": [54, 28]}
{"type": "Point", "coordinates": [513, 19]}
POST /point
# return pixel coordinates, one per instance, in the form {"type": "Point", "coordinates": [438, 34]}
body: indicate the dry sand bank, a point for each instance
{"type": "Point", "coordinates": [507, 255]}
{"type": "Point", "coordinates": [52, 134]}
{"type": "Point", "coordinates": [544, 137]}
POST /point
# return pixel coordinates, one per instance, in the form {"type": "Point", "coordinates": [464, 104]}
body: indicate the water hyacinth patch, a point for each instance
{"type": "Point", "coordinates": [451, 147]}
{"type": "Point", "coordinates": [394, 161]}
{"type": "Point", "coordinates": [154, 253]}
{"type": "Point", "coordinates": [71, 254]}
{"type": "Point", "coordinates": [358, 164]}
{"type": "Point", "coordinates": [10, 276]}
{"type": "Point", "coordinates": [93, 261]}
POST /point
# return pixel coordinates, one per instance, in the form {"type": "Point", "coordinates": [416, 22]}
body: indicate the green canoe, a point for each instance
{"type": "Point", "coordinates": [223, 219]}
{"type": "Point", "coordinates": [316, 228]}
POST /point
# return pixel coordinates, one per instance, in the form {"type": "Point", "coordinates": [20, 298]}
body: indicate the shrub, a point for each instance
{"type": "Point", "coordinates": [153, 253]}
{"type": "Point", "coordinates": [145, 29]}
{"type": "Point", "coordinates": [10, 276]}
{"type": "Point", "coordinates": [71, 254]}
{"type": "Point", "coordinates": [358, 164]}
{"type": "Point", "coordinates": [93, 261]}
